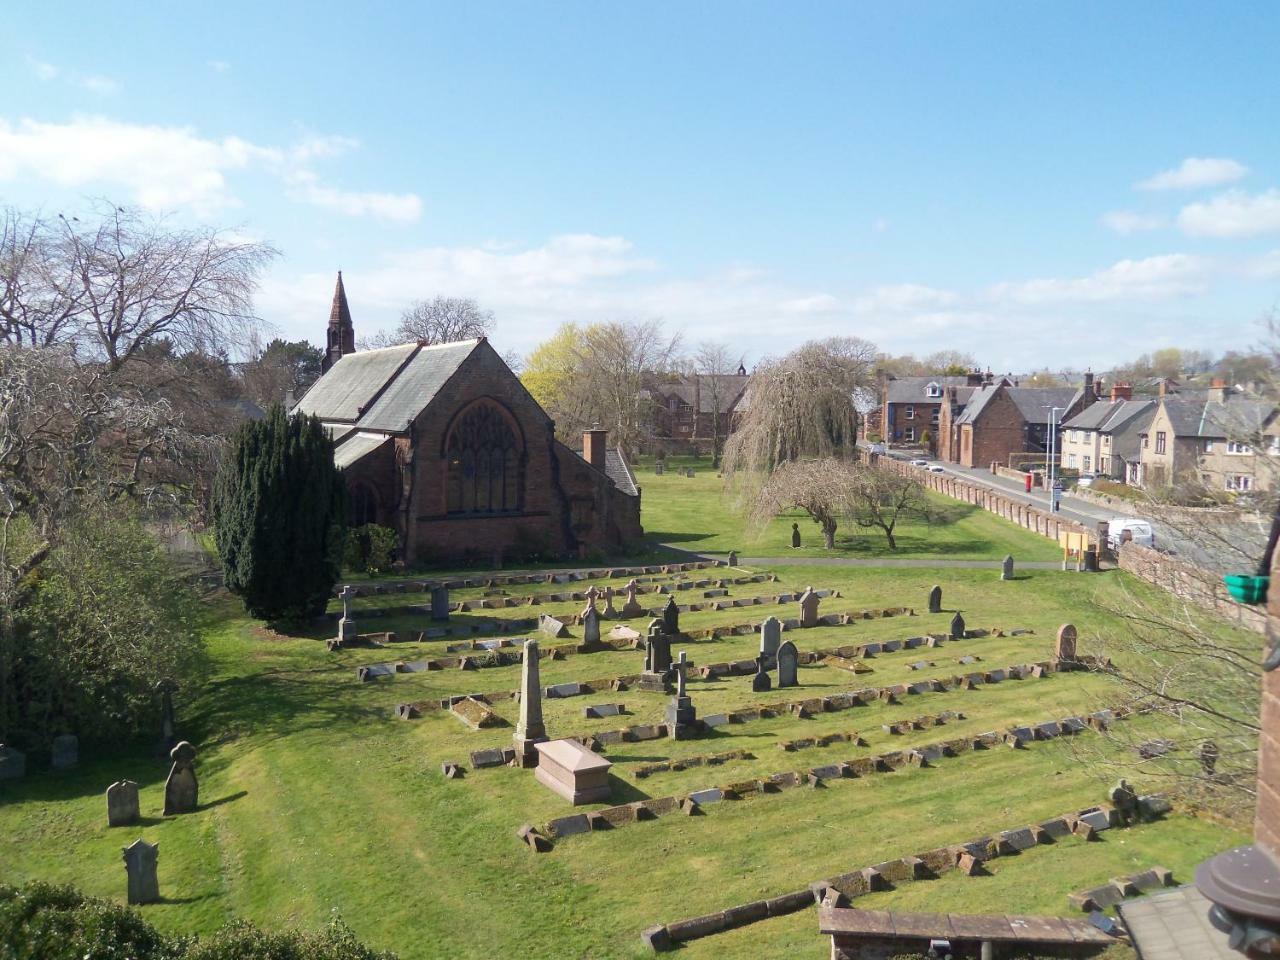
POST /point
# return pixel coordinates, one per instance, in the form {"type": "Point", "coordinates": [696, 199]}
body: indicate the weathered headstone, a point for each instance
{"type": "Point", "coordinates": [346, 625]}
{"type": "Point", "coordinates": [591, 595]}
{"type": "Point", "coordinates": [659, 468]}
{"type": "Point", "coordinates": [682, 718]}
{"type": "Point", "coordinates": [122, 803]}
{"type": "Point", "coordinates": [140, 859]}
{"type": "Point", "coordinates": [809, 608]}
{"type": "Point", "coordinates": [1064, 647]}
{"type": "Point", "coordinates": [795, 536]}
{"type": "Point", "coordinates": [66, 751]}
{"type": "Point", "coordinates": [168, 722]}
{"type": "Point", "coordinates": [761, 682]}
{"type": "Point", "coordinates": [657, 649]}
{"type": "Point", "coordinates": [733, 558]}
{"type": "Point", "coordinates": [957, 627]}
{"type": "Point", "coordinates": [935, 600]}
{"type": "Point", "coordinates": [788, 662]}
{"type": "Point", "coordinates": [591, 625]}
{"type": "Point", "coordinates": [671, 617]}
{"type": "Point", "coordinates": [609, 613]}
{"type": "Point", "coordinates": [181, 789]}
{"type": "Point", "coordinates": [770, 637]}
{"type": "Point", "coordinates": [1207, 754]}
{"type": "Point", "coordinates": [530, 730]}
{"type": "Point", "coordinates": [1125, 800]}
{"type": "Point", "coordinates": [632, 607]}
{"type": "Point", "coordinates": [13, 763]}
{"type": "Point", "coordinates": [1006, 567]}
{"type": "Point", "coordinates": [440, 602]}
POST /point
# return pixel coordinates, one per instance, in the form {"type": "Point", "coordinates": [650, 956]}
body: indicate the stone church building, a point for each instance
{"type": "Point", "coordinates": [444, 444]}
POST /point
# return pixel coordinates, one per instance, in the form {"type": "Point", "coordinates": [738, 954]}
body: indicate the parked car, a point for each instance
{"type": "Point", "coordinates": [917, 462]}
{"type": "Point", "coordinates": [1086, 479]}
{"type": "Point", "coordinates": [936, 468]}
{"type": "Point", "coordinates": [1122, 530]}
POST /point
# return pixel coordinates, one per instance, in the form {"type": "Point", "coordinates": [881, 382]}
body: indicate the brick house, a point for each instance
{"type": "Point", "coordinates": [444, 444]}
{"type": "Point", "coordinates": [912, 406]}
{"type": "Point", "coordinates": [697, 407]}
{"type": "Point", "coordinates": [1219, 438]}
{"type": "Point", "coordinates": [1001, 420]}
{"type": "Point", "coordinates": [1106, 437]}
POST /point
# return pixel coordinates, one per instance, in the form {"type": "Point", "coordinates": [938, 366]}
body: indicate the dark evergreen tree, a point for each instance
{"type": "Point", "coordinates": [280, 516]}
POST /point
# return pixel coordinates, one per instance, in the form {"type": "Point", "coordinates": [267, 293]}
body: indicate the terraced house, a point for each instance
{"type": "Point", "coordinates": [1106, 437]}
{"type": "Point", "coordinates": [911, 407]}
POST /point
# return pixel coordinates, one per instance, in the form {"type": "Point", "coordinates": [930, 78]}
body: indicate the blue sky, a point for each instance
{"type": "Point", "coordinates": [1038, 184]}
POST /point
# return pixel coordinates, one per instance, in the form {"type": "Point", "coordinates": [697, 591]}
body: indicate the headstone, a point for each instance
{"type": "Point", "coordinates": [770, 637]}
{"type": "Point", "coordinates": [957, 627]}
{"type": "Point", "coordinates": [66, 751]}
{"type": "Point", "coordinates": [659, 468]}
{"type": "Point", "coordinates": [761, 682]}
{"type": "Point", "coordinates": [181, 789]}
{"type": "Point", "coordinates": [346, 625]}
{"type": "Point", "coordinates": [681, 716]}
{"type": "Point", "coordinates": [657, 649]}
{"type": "Point", "coordinates": [122, 803]}
{"type": "Point", "coordinates": [1125, 800]}
{"type": "Point", "coordinates": [591, 595]}
{"type": "Point", "coordinates": [795, 536]}
{"type": "Point", "coordinates": [733, 558]}
{"type": "Point", "coordinates": [591, 625]}
{"type": "Point", "coordinates": [1006, 567]}
{"type": "Point", "coordinates": [671, 617]}
{"type": "Point", "coordinates": [140, 859]}
{"type": "Point", "coordinates": [1064, 647]}
{"type": "Point", "coordinates": [809, 608]}
{"type": "Point", "coordinates": [1207, 754]}
{"type": "Point", "coordinates": [440, 602]}
{"type": "Point", "coordinates": [530, 730]}
{"type": "Point", "coordinates": [935, 600]}
{"type": "Point", "coordinates": [573, 771]}
{"type": "Point", "coordinates": [13, 763]}
{"type": "Point", "coordinates": [788, 660]}
{"type": "Point", "coordinates": [632, 607]}
{"type": "Point", "coordinates": [609, 612]}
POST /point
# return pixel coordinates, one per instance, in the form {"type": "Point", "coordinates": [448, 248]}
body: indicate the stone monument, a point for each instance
{"type": "Point", "coordinates": [591, 626]}
{"type": "Point", "coordinates": [682, 718]}
{"type": "Point", "coordinates": [795, 536]}
{"type": "Point", "coordinates": [1006, 567]}
{"type": "Point", "coordinates": [1064, 645]}
{"type": "Point", "coordinates": [573, 771]}
{"type": "Point", "coordinates": [13, 763]}
{"type": "Point", "coordinates": [632, 607]}
{"type": "Point", "coordinates": [935, 600]}
{"type": "Point", "coordinates": [788, 664]}
{"type": "Point", "coordinates": [181, 789]}
{"type": "Point", "coordinates": [761, 682]}
{"type": "Point", "coordinates": [957, 627]}
{"type": "Point", "coordinates": [809, 608]}
{"type": "Point", "coordinates": [657, 660]}
{"type": "Point", "coordinates": [440, 602]}
{"type": "Point", "coordinates": [530, 730]}
{"type": "Point", "coordinates": [66, 751]}
{"type": "Point", "coordinates": [122, 804]}
{"type": "Point", "coordinates": [770, 637]}
{"type": "Point", "coordinates": [671, 617]}
{"type": "Point", "coordinates": [346, 626]}
{"type": "Point", "coordinates": [733, 558]}
{"type": "Point", "coordinates": [592, 594]}
{"type": "Point", "coordinates": [140, 859]}
{"type": "Point", "coordinates": [609, 612]}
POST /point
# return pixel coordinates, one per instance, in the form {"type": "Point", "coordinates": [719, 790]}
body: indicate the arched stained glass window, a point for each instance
{"type": "Point", "coordinates": [484, 464]}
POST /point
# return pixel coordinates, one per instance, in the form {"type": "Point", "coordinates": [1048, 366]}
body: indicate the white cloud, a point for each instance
{"type": "Point", "coordinates": [219, 66]}
{"type": "Point", "coordinates": [1154, 278]}
{"type": "Point", "coordinates": [1196, 172]}
{"type": "Point", "coordinates": [94, 83]}
{"type": "Point", "coordinates": [816, 303]}
{"type": "Point", "coordinates": [1264, 267]}
{"type": "Point", "coordinates": [880, 225]}
{"type": "Point", "coordinates": [1126, 222]}
{"type": "Point", "coordinates": [903, 297]}
{"type": "Point", "coordinates": [173, 167]}
{"type": "Point", "coordinates": [45, 71]}
{"type": "Point", "coordinates": [100, 85]}
{"type": "Point", "coordinates": [1233, 214]}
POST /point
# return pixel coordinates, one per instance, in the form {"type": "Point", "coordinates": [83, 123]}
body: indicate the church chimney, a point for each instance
{"type": "Point", "coordinates": [342, 335]}
{"type": "Point", "coordinates": [593, 447]}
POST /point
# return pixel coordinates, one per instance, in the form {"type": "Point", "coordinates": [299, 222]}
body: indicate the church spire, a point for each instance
{"type": "Point", "coordinates": [342, 335]}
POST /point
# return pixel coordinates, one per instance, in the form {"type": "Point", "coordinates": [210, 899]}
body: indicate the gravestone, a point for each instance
{"type": "Point", "coordinates": [1006, 567]}
{"type": "Point", "coordinates": [122, 803]}
{"type": "Point", "coordinates": [671, 617]}
{"type": "Point", "coordinates": [733, 558]}
{"type": "Point", "coordinates": [788, 661]}
{"type": "Point", "coordinates": [657, 660]}
{"type": "Point", "coordinates": [66, 751]}
{"type": "Point", "coordinates": [609, 613]}
{"type": "Point", "coordinates": [689, 472]}
{"type": "Point", "coordinates": [530, 730]}
{"type": "Point", "coordinates": [682, 718]}
{"type": "Point", "coordinates": [632, 607]}
{"type": "Point", "coordinates": [346, 625]}
{"type": "Point", "coordinates": [795, 536]}
{"type": "Point", "coordinates": [13, 763]}
{"type": "Point", "coordinates": [440, 602]}
{"type": "Point", "coordinates": [1125, 800]}
{"type": "Point", "coordinates": [957, 627]}
{"type": "Point", "coordinates": [659, 468]}
{"type": "Point", "coordinates": [809, 608]}
{"type": "Point", "coordinates": [168, 722]}
{"type": "Point", "coordinates": [761, 682]}
{"type": "Point", "coordinates": [935, 600]}
{"type": "Point", "coordinates": [573, 771]}
{"type": "Point", "coordinates": [1207, 754]}
{"type": "Point", "coordinates": [140, 859]}
{"type": "Point", "coordinates": [770, 637]}
{"type": "Point", "coordinates": [181, 789]}
{"type": "Point", "coordinates": [1064, 647]}
{"type": "Point", "coordinates": [591, 625]}
{"type": "Point", "coordinates": [591, 595]}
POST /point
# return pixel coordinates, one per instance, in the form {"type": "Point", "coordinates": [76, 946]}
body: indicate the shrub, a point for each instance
{"type": "Point", "coordinates": [370, 549]}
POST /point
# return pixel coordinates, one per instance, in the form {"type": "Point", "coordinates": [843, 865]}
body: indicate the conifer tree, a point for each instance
{"type": "Point", "coordinates": [280, 516]}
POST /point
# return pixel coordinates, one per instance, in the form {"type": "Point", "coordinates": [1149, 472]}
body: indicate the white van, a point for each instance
{"type": "Point", "coordinates": [1130, 529]}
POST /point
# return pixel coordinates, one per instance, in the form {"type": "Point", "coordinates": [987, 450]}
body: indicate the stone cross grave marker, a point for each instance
{"type": "Point", "coordinates": [346, 626]}
{"type": "Point", "coordinates": [808, 608]}
{"type": "Point", "coordinates": [935, 599]}
{"type": "Point", "coordinates": [140, 859]}
{"type": "Point", "coordinates": [761, 682]}
{"type": "Point", "coordinates": [657, 649]}
{"type": "Point", "coordinates": [1006, 567]}
{"type": "Point", "coordinates": [530, 729]}
{"type": "Point", "coordinates": [609, 612]}
{"type": "Point", "coordinates": [788, 662]}
{"type": "Point", "coordinates": [122, 803]}
{"type": "Point", "coordinates": [957, 627]}
{"type": "Point", "coordinates": [591, 625]}
{"type": "Point", "coordinates": [682, 672]}
{"type": "Point", "coordinates": [591, 595]}
{"type": "Point", "coordinates": [181, 789]}
{"type": "Point", "coordinates": [440, 602]}
{"type": "Point", "coordinates": [632, 607]}
{"type": "Point", "coordinates": [770, 637]}
{"type": "Point", "coordinates": [1064, 645]}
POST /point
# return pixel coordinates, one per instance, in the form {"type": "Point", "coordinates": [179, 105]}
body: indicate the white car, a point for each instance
{"type": "Point", "coordinates": [919, 463]}
{"type": "Point", "coordinates": [936, 469]}
{"type": "Point", "coordinates": [1086, 479]}
{"type": "Point", "coordinates": [1130, 530]}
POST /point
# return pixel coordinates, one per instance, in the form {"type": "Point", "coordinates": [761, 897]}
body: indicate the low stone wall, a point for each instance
{"type": "Point", "coordinates": [1190, 583]}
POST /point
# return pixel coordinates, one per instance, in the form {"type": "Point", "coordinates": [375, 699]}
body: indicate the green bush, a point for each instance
{"type": "Point", "coordinates": [370, 549]}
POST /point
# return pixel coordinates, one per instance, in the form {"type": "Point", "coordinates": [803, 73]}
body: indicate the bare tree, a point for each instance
{"type": "Point", "coordinates": [35, 308]}
{"type": "Point", "coordinates": [615, 359]}
{"type": "Point", "coordinates": [821, 488]}
{"type": "Point", "coordinates": [438, 320]}
{"type": "Point", "coordinates": [881, 499]}
{"type": "Point", "coordinates": [711, 365]}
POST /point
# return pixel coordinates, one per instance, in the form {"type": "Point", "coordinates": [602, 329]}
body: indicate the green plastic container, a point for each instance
{"type": "Point", "coordinates": [1247, 589]}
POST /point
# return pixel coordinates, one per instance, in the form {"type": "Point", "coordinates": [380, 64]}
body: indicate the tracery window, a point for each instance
{"type": "Point", "coordinates": [485, 471]}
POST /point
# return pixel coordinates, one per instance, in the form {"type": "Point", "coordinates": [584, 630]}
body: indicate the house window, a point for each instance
{"type": "Point", "coordinates": [933, 390]}
{"type": "Point", "coordinates": [1106, 439]}
{"type": "Point", "coordinates": [1104, 465]}
{"type": "Point", "coordinates": [1238, 448]}
{"type": "Point", "coordinates": [910, 411]}
{"type": "Point", "coordinates": [1087, 464]}
{"type": "Point", "coordinates": [1160, 437]}
{"type": "Point", "coordinates": [909, 433]}
{"type": "Point", "coordinates": [1239, 483]}
{"type": "Point", "coordinates": [485, 471]}
{"type": "Point", "coordinates": [1071, 460]}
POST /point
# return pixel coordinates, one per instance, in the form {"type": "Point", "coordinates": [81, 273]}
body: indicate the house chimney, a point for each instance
{"type": "Point", "coordinates": [1218, 391]}
{"type": "Point", "coordinates": [973, 378]}
{"type": "Point", "coordinates": [1087, 393]}
{"type": "Point", "coordinates": [1121, 391]}
{"type": "Point", "coordinates": [593, 446]}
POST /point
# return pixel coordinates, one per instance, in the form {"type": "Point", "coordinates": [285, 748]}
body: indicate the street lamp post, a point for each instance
{"type": "Point", "coordinates": [1052, 457]}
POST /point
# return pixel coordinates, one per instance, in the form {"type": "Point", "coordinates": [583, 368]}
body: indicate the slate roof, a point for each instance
{"type": "Point", "coordinates": [913, 389]}
{"type": "Point", "coordinates": [356, 447]}
{"type": "Point", "coordinates": [1175, 926]}
{"type": "Point", "coordinates": [1217, 419]}
{"type": "Point", "coordinates": [730, 387]}
{"type": "Point", "coordinates": [619, 471]}
{"type": "Point", "coordinates": [1033, 403]}
{"type": "Point", "coordinates": [1109, 416]}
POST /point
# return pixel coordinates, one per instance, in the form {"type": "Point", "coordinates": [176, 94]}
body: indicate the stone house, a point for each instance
{"type": "Point", "coordinates": [911, 407]}
{"type": "Point", "coordinates": [444, 444]}
{"type": "Point", "coordinates": [1221, 439]}
{"type": "Point", "coordinates": [1002, 420]}
{"type": "Point", "coordinates": [1106, 437]}
{"type": "Point", "coordinates": [697, 407]}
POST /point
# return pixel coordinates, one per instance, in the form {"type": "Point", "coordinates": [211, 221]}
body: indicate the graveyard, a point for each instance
{"type": "Point", "coordinates": [717, 741]}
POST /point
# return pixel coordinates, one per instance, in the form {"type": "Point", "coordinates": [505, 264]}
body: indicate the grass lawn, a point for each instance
{"type": "Point", "coordinates": [314, 799]}
{"type": "Point", "coordinates": [696, 514]}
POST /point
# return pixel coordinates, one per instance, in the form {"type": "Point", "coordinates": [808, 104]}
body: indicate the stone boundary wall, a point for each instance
{"type": "Point", "coordinates": [1002, 504]}
{"type": "Point", "coordinates": [1190, 583]}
